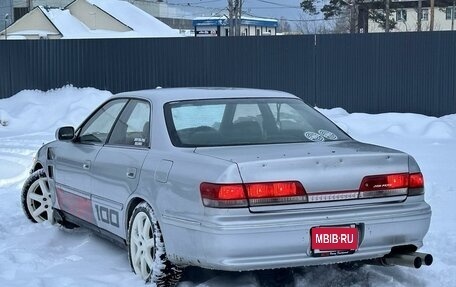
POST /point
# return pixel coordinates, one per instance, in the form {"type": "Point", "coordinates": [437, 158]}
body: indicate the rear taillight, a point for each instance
{"type": "Point", "coordinates": [223, 195]}
{"type": "Point", "coordinates": [391, 185]}
{"type": "Point", "coordinates": [241, 195]}
{"type": "Point", "coordinates": [275, 193]}
{"type": "Point", "coordinates": [289, 192]}
{"type": "Point", "coordinates": [416, 184]}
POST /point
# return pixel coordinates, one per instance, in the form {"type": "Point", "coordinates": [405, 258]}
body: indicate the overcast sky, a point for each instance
{"type": "Point", "coordinates": [288, 9]}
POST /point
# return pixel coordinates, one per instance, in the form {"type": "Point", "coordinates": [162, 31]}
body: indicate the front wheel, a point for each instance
{"type": "Point", "coordinates": [146, 249]}
{"type": "Point", "coordinates": [36, 197]}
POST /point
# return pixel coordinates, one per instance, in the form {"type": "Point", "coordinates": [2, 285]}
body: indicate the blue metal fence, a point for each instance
{"type": "Point", "coordinates": [394, 72]}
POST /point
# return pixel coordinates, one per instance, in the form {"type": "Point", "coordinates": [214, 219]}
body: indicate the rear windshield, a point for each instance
{"type": "Point", "coordinates": [224, 122]}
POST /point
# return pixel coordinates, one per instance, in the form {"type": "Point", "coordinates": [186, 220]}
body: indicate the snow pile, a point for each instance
{"type": "Point", "coordinates": [37, 111]}
{"type": "Point", "coordinates": [394, 124]}
{"type": "Point", "coordinates": [43, 255]}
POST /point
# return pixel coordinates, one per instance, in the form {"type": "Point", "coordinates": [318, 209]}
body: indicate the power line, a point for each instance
{"type": "Point", "coordinates": [201, 2]}
{"type": "Point", "coordinates": [278, 4]}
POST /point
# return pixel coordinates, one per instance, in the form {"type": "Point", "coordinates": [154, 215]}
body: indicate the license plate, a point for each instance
{"type": "Point", "coordinates": [334, 240]}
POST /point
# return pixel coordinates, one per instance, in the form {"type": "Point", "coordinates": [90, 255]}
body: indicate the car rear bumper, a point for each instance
{"type": "Point", "coordinates": [275, 240]}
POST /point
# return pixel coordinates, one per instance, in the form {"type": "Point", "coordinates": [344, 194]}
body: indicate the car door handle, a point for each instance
{"type": "Point", "coordinates": [131, 172]}
{"type": "Point", "coordinates": [86, 164]}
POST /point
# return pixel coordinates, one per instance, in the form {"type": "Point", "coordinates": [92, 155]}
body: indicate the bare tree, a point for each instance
{"type": "Point", "coordinates": [311, 26]}
{"type": "Point", "coordinates": [284, 26]}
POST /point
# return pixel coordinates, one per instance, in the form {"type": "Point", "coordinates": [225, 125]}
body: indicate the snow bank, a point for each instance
{"type": "Point", "coordinates": [397, 124]}
{"type": "Point", "coordinates": [35, 111]}
{"type": "Point", "coordinates": [43, 255]}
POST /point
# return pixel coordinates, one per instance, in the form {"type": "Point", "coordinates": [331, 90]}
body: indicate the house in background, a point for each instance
{"type": "Point", "coordinates": [88, 19]}
{"type": "Point", "coordinates": [405, 13]}
{"type": "Point", "coordinates": [219, 26]}
{"type": "Point", "coordinates": [175, 16]}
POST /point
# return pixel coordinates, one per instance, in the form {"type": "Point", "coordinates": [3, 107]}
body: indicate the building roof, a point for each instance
{"type": "Point", "coordinates": [70, 27]}
{"type": "Point", "coordinates": [245, 20]}
{"type": "Point", "coordinates": [67, 24]}
{"type": "Point", "coordinates": [135, 18]}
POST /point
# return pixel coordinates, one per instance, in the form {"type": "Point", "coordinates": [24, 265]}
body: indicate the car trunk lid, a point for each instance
{"type": "Point", "coordinates": [324, 169]}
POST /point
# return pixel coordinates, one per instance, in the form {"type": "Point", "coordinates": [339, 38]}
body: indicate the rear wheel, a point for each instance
{"type": "Point", "coordinates": [36, 197]}
{"type": "Point", "coordinates": [146, 249]}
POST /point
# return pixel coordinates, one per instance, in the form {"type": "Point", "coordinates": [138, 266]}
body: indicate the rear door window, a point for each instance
{"type": "Point", "coordinates": [133, 126]}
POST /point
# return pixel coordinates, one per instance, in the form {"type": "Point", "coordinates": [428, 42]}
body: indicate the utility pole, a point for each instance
{"type": "Point", "coordinates": [6, 26]}
{"type": "Point", "coordinates": [420, 15]}
{"type": "Point", "coordinates": [234, 16]}
{"type": "Point", "coordinates": [387, 18]}
{"type": "Point", "coordinates": [431, 21]}
{"type": "Point", "coordinates": [231, 16]}
{"type": "Point", "coordinates": [239, 17]}
{"type": "Point", "coordinates": [452, 15]}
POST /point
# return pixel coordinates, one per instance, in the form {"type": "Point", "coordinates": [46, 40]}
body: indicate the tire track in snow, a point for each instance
{"type": "Point", "coordinates": [16, 154]}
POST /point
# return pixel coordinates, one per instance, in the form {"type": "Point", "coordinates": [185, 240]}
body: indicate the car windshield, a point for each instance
{"type": "Point", "coordinates": [247, 121]}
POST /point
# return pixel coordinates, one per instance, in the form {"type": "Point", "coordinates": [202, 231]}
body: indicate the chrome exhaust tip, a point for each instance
{"type": "Point", "coordinates": [425, 257]}
{"type": "Point", "coordinates": [406, 260]}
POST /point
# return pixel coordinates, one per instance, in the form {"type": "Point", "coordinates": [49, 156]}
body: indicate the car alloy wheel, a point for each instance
{"type": "Point", "coordinates": [146, 249]}
{"type": "Point", "coordinates": [36, 197]}
{"type": "Point", "coordinates": [142, 245]}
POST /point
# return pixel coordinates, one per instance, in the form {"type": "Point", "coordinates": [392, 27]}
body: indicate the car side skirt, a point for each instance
{"type": "Point", "coordinates": [119, 241]}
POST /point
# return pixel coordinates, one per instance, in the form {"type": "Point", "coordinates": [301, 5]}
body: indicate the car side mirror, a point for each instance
{"type": "Point", "coordinates": [64, 133]}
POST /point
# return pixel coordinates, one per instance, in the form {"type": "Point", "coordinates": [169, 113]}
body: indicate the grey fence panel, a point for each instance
{"type": "Point", "coordinates": [238, 62]}
{"type": "Point", "coordinates": [401, 72]}
{"type": "Point", "coordinates": [5, 76]}
{"type": "Point", "coordinates": [395, 72]}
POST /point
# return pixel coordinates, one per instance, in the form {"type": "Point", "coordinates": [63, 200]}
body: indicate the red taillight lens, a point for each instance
{"type": "Point", "coordinates": [392, 185]}
{"type": "Point", "coordinates": [382, 182]}
{"type": "Point", "coordinates": [223, 195]}
{"type": "Point", "coordinates": [273, 189]}
{"type": "Point", "coordinates": [270, 193]}
{"type": "Point", "coordinates": [416, 180]}
{"type": "Point", "coordinates": [384, 185]}
{"type": "Point", "coordinates": [234, 195]}
{"type": "Point", "coordinates": [416, 184]}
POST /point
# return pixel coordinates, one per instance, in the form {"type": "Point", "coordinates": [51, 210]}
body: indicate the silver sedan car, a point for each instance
{"type": "Point", "coordinates": [229, 179]}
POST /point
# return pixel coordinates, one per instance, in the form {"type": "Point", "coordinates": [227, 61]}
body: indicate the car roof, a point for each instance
{"type": "Point", "coordinates": [165, 95]}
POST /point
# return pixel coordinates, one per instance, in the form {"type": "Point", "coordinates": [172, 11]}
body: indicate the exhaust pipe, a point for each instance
{"type": "Point", "coordinates": [407, 260]}
{"type": "Point", "coordinates": [426, 258]}
{"type": "Point", "coordinates": [412, 259]}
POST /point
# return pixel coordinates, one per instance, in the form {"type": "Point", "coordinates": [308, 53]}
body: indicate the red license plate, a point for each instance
{"type": "Point", "coordinates": [332, 238]}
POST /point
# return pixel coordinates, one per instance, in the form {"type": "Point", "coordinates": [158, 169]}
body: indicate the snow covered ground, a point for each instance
{"type": "Point", "coordinates": [44, 255]}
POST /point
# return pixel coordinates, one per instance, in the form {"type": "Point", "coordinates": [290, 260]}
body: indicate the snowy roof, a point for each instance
{"type": "Point", "coordinates": [70, 27]}
{"type": "Point", "coordinates": [67, 24]}
{"type": "Point", "coordinates": [135, 18]}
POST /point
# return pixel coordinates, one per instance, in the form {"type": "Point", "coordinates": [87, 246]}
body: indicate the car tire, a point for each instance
{"type": "Point", "coordinates": [36, 197]}
{"type": "Point", "coordinates": [146, 249]}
